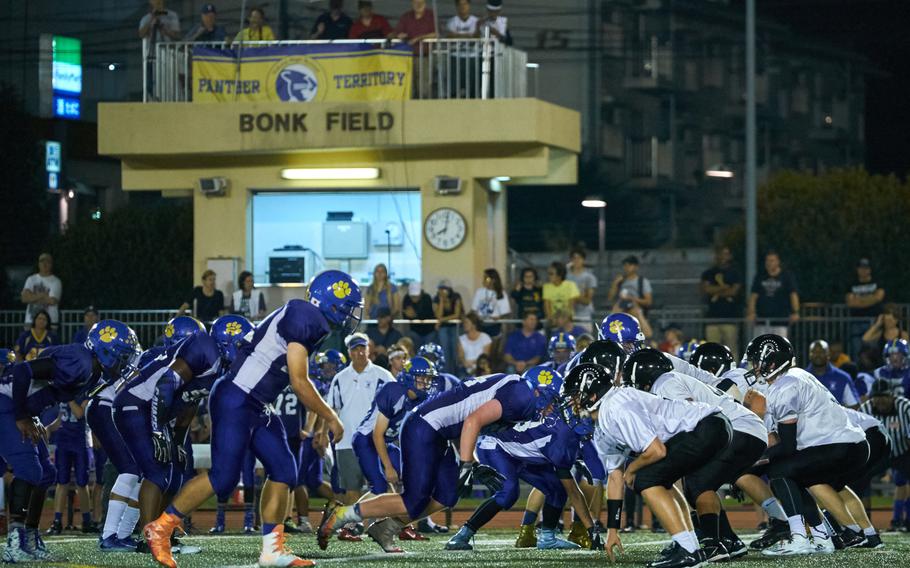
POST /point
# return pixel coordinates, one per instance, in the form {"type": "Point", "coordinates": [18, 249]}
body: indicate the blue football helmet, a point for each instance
{"type": "Point", "coordinates": [115, 346]}
{"type": "Point", "coordinates": [546, 382]}
{"type": "Point", "coordinates": [338, 298]}
{"type": "Point", "coordinates": [623, 329]}
{"type": "Point", "coordinates": [896, 353]}
{"type": "Point", "coordinates": [686, 350]}
{"type": "Point", "coordinates": [414, 369]}
{"type": "Point", "coordinates": [332, 357]}
{"type": "Point", "coordinates": [180, 327]}
{"type": "Point", "coordinates": [561, 341]}
{"type": "Point", "coordinates": [228, 332]}
{"type": "Point", "coordinates": [435, 353]}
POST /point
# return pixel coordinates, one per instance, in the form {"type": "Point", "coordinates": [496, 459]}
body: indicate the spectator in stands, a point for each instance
{"type": "Point", "coordinates": [497, 24]}
{"type": "Point", "coordinates": [351, 394]}
{"type": "Point", "coordinates": [369, 25]}
{"type": "Point", "coordinates": [159, 24]}
{"type": "Point", "coordinates": [483, 366]}
{"type": "Point", "coordinates": [333, 24]}
{"type": "Point", "coordinates": [558, 293]}
{"type": "Point", "coordinates": [383, 335]}
{"type": "Point", "coordinates": [865, 300]}
{"type": "Point", "coordinates": [35, 339]}
{"type": "Point", "coordinates": [89, 318]}
{"type": "Point", "coordinates": [206, 302]}
{"type": "Point", "coordinates": [415, 26]}
{"type": "Point", "coordinates": [207, 29]}
{"type": "Point", "coordinates": [42, 292]}
{"type": "Point", "coordinates": [582, 341]}
{"type": "Point", "coordinates": [721, 286]}
{"type": "Point", "coordinates": [525, 347]}
{"type": "Point", "coordinates": [490, 302]}
{"type": "Point", "coordinates": [774, 298]}
{"type": "Point", "coordinates": [528, 295]}
{"type": "Point", "coordinates": [838, 357]}
{"type": "Point", "coordinates": [886, 327]}
{"type": "Point", "coordinates": [630, 286]}
{"type": "Point", "coordinates": [407, 344]}
{"type": "Point", "coordinates": [586, 283]}
{"type": "Point", "coordinates": [247, 300]}
{"type": "Point", "coordinates": [673, 338]}
{"type": "Point", "coordinates": [397, 356]}
{"type": "Point", "coordinates": [418, 305]}
{"type": "Point", "coordinates": [257, 29]}
{"type": "Point", "coordinates": [381, 293]}
{"type": "Point", "coordinates": [463, 24]}
{"type": "Point", "coordinates": [448, 306]}
{"type": "Point", "coordinates": [561, 320]}
{"type": "Point", "coordinates": [838, 382]}
{"type": "Point", "coordinates": [472, 343]}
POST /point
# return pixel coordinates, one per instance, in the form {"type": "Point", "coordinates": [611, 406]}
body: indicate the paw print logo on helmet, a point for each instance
{"type": "Point", "coordinates": [545, 378]}
{"type": "Point", "coordinates": [233, 328]}
{"type": "Point", "coordinates": [180, 327]}
{"type": "Point", "coordinates": [616, 327]}
{"type": "Point", "coordinates": [229, 332]}
{"type": "Point", "coordinates": [114, 345]}
{"type": "Point", "coordinates": [107, 334]}
{"type": "Point", "coordinates": [341, 289]}
{"type": "Point", "coordinates": [623, 329]}
{"type": "Point", "coordinates": [418, 375]}
{"type": "Point", "coordinates": [546, 383]}
{"type": "Point", "coordinates": [169, 330]}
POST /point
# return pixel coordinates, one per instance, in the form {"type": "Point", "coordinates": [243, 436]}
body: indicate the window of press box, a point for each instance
{"type": "Point", "coordinates": [296, 235]}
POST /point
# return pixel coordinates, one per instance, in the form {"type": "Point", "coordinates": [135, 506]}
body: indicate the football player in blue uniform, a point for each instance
{"type": "Point", "coordinates": [686, 350]}
{"type": "Point", "coordinates": [71, 456]}
{"type": "Point", "coordinates": [434, 353]}
{"type": "Point", "coordinates": [430, 477]}
{"type": "Point", "coordinates": [174, 330]}
{"type": "Point", "coordinates": [896, 369]}
{"type": "Point", "coordinates": [277, 354]}
{"type": "Point", "coordinates": [58, 375]}
{"type": "Point", "coordinates": [560, 348]}
{"type": "Point", "coordinates": [542, 453]}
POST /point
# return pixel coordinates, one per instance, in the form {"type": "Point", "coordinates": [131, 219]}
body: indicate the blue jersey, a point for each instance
{"type": "Point", "coordinates": [548, 441]}
{"type": "Point", "coordinates": [393, 402]}
{"type": "Point", "coordinates": [150, 355]}
{"type": "Point", "coordinates": [446, 382]}
{"type": "Point", "coordinates": [899, 379]}
{"type": "Point", "coordinates": [261, 367]}
{"type": "Point", "coordinates": [288, 408]}
{"type": "Point", "coordinates": [446, 412]}
{"type": "Point", "coordinates": [199, 352]}
{"type": "Point", "coordinates": [59, 374]}
{"type": "Point", "coordinates": [73, 433]}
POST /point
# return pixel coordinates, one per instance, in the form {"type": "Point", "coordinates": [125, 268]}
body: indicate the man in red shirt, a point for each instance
{"type": "Point", "coordinates": [414, 26]}
{"type": "Point", "coordinates": [369, 25]}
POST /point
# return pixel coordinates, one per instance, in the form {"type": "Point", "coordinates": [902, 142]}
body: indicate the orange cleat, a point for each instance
{"type": "Point", "coordinates": [327, 524]}
{"type": "Point", "coordinates": [276, 553]}
{"type": "Point", "coordinates": [158, 536]}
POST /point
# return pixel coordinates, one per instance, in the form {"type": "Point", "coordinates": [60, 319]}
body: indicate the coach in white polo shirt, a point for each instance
{"type": "Point", "coordinates": [351, 395]}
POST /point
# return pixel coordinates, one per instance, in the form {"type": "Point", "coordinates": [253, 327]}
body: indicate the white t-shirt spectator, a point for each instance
{"type": "Point", "coordinates": [351, 395]}
{"type": "Point", "coordinates": [473, 349]}
{"type": "Point", "coordinates": [456, 25]}
{"type": "Point", "coordinates": [500, 24]}
{"type": "Point", "coordinates": [584, 281]}
{"type": "Point", "coordinates": [630, 287]}
{"type": "Point", "coordinates": [487, 305]}
{"type": "Point", "coordinates": [54, 288]}
{"type": "Point", "coordinates": [169, 21]}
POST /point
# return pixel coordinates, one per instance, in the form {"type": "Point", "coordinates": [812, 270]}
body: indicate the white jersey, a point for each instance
{"type": "Point", "coordinates": [682, 366]}
{"type": "Point", "coordinates": [864, 421]}
{"type": "Point", "coordinates": [677, 386]}
{"type": "Point", "coordinates": [630, 419]}
{"type": "Point", "coordinates": [820, 420]}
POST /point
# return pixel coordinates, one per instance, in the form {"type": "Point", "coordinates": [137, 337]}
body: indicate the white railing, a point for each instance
{"type": "Point", "coordinates": [443, 68]}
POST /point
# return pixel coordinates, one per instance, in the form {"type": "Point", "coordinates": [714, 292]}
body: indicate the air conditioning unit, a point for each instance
{"type": "Point", "coordinates": [213, 187]}
{"type": "Point", "coordinates": [447, 185]}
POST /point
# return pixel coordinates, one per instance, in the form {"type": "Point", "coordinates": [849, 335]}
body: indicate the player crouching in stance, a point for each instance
{"type": "Point", "coordinates": [274, 355]}
{"type": "Point", "coordinates": [541, 453]}
{"type": "Point", "coordinates": [431, 478]}
{"type": "Point", "coordinates": [672, 439]}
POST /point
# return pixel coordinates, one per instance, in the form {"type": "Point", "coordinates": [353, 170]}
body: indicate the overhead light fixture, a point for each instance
{"type": "Point", "coordinates": [330, 173]}
{"type": "Point", "coordinates": [719, 171]}
{"type": "Point", "coordinates": [532, 65]}
{"type": "Point", "coordinates": [503, 178]}
{"type": "Point", "coordinates": [593, 202]}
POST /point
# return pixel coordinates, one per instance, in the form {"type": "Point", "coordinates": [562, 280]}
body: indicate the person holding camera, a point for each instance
{"type": "Point", "coordinates": [160, 24]}
{"type": "Point", "coordinates": [629, 289]}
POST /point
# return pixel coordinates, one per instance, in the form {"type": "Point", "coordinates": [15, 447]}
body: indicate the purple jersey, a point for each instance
{"type": "Point", "coordinates": [288, 408]}
{"type": "Point", "coordinates": [261, 368]}
{"type": "Point", "coordinates": [393, 402]}
{"type": "Point", "coordinates": [446, 382]}
{"type": "Point", "coordinates": [150, 355]}
{"type": "Point", "coordinates": [73, 433]}
{"type": "Point", "coordinates": [59, 374]}
{"type": "Point", "coordinates": [446, 412]}
{"type": "Point", "coordinates": [899, 379]}
{"type": "Point", "coordinates": [548, 441]}
{"type": "Point", "coordinates": [199, 352]}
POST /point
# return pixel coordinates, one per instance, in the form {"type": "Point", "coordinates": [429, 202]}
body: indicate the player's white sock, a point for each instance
{"type": "Point", "coordinates": [797, 525]}
{"type": "Point", "coordinates": [820, 531]}
{"type": "Point", "coordinates": [684, 540]}
{"type": "Point", "coordinates": [869, 531]}
{"type": "Point", "coordinates": [128, 522]}
{"type": "Point", "coordinates": [854, 528]}
{"type": "Point", "coordinates": [693, 538]}
{"type": "Point", "coordinates": [772, 506]}
{"type": "Point", "coordinates": [112, 519]}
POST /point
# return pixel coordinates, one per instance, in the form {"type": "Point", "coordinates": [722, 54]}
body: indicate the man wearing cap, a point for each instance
{"type": "Point", "coordinates": [383, 335]}
{"type": "Point", "coordinates": [89, 318]}
{"type": "Point", "coordinates": [42, 291]}
{"type": "Point", "coordinates": [350, 394]}
{"type": "Point", "coordinates": [865, 300]}
{"type": "Point", "coordinates": [496, 22]}
{"type": "Point", "coordinates": [894, 414]}
{"type": "Point", "coordinates": [418, 305]}
{"type": "Point", "coordinates": [629, 289]}
{"type": "Point", "coordinates": [207, 29]}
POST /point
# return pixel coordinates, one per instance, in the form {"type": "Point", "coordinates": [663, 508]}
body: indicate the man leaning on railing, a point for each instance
{"type": "Point", "coordinates": [207, 30]}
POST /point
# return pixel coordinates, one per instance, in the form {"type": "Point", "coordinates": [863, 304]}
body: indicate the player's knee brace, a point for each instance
{"type": "Point", "coordinates": [125, 485]}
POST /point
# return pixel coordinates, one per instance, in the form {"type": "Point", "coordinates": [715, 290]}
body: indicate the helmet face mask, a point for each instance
{"type": "Point", "coordinates": [115, 346]}
{"type": "Point", "coordinates": [419, 376]}
{"type": "Point", "coordinates": [896, 354]}
{"type": "Point", "coordinates": [338, 298]}
{"type": "Point", "coordinates": [770, 355]}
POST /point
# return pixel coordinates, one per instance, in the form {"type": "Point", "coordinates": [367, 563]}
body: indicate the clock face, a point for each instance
{"type": "Point", "coordinates": [445, 229]}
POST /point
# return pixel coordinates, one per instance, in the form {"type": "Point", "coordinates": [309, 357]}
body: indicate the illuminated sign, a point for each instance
{"type": "Point", "coordinates": [52, 155]}
{"type": "Point", "coordinates": [67, 107]}
{"type": "Point", "coordinates": [66, 69]}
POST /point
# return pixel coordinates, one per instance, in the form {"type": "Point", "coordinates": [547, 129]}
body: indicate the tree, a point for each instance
{"type": "Point", "coordinates": [822, 224]}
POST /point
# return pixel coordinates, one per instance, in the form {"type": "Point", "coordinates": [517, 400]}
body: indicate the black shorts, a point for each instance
{"type": "Point", "coordinates": [830, 464]}
{"type": "Point", "coordinates": [878, 462]}
{"type": "Point", "coordinates": [687, 453]}
{"type": "Point", "coordinates": [727, 467]}
{"type": "Point", "coordinates": [902, 464]}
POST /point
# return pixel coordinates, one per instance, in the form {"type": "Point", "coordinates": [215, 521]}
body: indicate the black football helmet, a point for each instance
{"type": "Point", "coordinates": [769, 355]}
{"type": "Point", "coordinates": [643, 367]}
{"type": "Point", "coordinates": [713, 357]}
{"type": "Point", "coordinates": [603, 352]}
{"type": "Point", "coordinates": [585, 385]}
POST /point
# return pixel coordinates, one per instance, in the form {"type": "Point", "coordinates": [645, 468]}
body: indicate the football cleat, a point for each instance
{"type": "Point", "coordinates": [275, 552]}
{"type": "Point", "coordinates": [852, 539]}
{"type": "Point", "coordinates": [714, 550]}
{"type": "Point", "coordinates": [549, 541]}
{"type": "Point", "coordinates": [777, 530]}
{"type": "Point", "coordinates": [735, 547]}
{"type": "Point", "coordinates": [461, 540]}
{"type": "Point", "coordinates": [158, 537]}
{"type": "Point", "coordinates": [873, 541]}
{"type": "Point", "coordinates": [114, 544]}
{"type": "Point", "coordinates": [383, 533]}
{"type": "Point", "coordinates": [408, 533]}
{"type": "Point", "coordinates": [56, 528]}
{"type": "Point", "coordinates": [794, 546]}
{"type": "Point", "coordinates": [579, 535]}
{"type": "Point", "coordinates": [527, 538]}
{"type": "Point", "coordinates": [675, 556]}
{"type": "Point", "coordinates": [217, 529]}
{"type": "Point", "coordinates": [35, 545]}
{"type": "Point", "coordinates": [17, 549]}
{"type": "Point", "coordinates": [327, 524]}
{"type": "Point", "coordinates": [823, 545]}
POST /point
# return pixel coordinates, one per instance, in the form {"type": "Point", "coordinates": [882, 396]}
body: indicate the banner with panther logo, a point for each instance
{"type": "Point", "coordinates": [303, 73]}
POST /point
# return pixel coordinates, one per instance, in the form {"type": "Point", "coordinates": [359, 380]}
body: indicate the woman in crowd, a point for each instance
{"type": "Point", "coordinates": [558, 293]}
{"type": "Point", "coordinates": [247, 301]}
{"type": "Point", "coordinates": [490, 302]}
{"type": "Point", "coordinates": [448, 307]}
{"type": "Point", "coordinates": [206, 302]}
{"type": "Point", "coordinates": [257, 29]}
{"type": "Point", "coordinates": [887, 326]}
{"type": "Point", "coordinates": [381, 293]}
{"type": "Point", "coordinates": [32, 341]}
{"type": "Point", "coordinates": [528, 295]}
{"type": "Point", "coordinates": [472, 343]}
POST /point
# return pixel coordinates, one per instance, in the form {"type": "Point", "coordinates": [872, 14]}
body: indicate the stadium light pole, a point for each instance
{"type": "Point", "coordinates": [750, 189]}
{"type": "Point", "coordinates": [595, 202]}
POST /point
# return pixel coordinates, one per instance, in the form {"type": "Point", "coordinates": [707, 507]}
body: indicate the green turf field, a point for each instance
{"type": "Point", "coordinates": [491, 549]}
